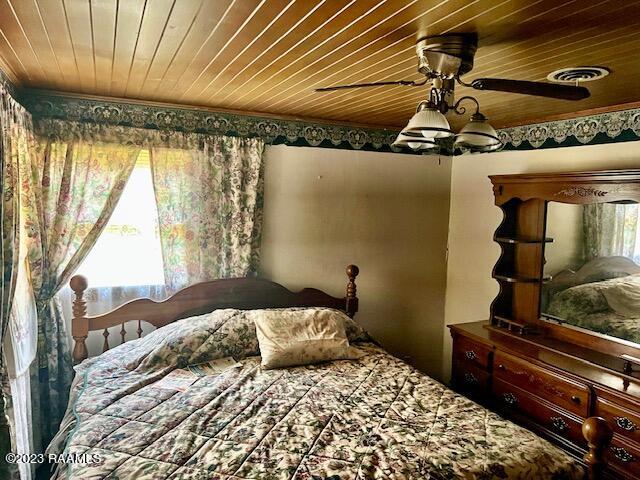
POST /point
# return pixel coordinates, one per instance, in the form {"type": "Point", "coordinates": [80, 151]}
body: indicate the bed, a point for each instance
{"type": "Point", "coordinates": [374, 417]}
{"type": "Point", "coordinates": [602, 296]}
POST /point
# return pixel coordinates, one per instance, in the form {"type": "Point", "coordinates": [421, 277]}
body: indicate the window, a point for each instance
{"type": "Point", "coordinates": [633, 224]}
{"type": "Point", "coordinates": [128, 251]}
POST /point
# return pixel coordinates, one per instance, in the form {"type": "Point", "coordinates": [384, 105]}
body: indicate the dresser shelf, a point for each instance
{"type": "Point", "coordinates": [518, 278]}
{"type": "Point", "coordinates": [520, 239]}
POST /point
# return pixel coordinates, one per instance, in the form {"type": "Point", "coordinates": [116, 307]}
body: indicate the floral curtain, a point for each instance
{"type": "Point", "coordinates": [13, 144]}
{"type": "Point", "coordinates": [77, 177]}
{"type": "Point", "coordinates": [209, 194]}
{"type": "Point", "coordinates": [16, 133]}
{"type": "Point", "coordinates": [611, 229]}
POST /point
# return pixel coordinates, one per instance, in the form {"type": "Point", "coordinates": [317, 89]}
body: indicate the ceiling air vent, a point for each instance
{"type": "Point", "coordinates": [578, 74]}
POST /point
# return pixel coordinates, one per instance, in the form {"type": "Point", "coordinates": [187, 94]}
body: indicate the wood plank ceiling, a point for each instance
{"type": "Point", "coordinates": [268, 55]}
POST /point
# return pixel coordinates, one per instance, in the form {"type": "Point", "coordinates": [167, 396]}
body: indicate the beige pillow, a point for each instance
{"type": "Point", "coordinates": [623, 295]}
{"type": "Point", "coordinates": [301, 337]}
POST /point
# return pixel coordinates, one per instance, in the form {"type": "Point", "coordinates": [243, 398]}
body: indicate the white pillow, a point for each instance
{"type": "Point", "coordinates": [301, 336]}
{"type": "Point", "coordinates": [623, 296]}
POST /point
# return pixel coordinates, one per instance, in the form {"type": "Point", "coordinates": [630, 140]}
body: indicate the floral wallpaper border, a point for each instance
{"type": "Point", "coordinates": [620, 126]}
{"type": "Point", "coordinates": [273, 131]}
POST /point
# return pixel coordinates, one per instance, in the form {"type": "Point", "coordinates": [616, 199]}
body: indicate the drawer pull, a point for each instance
{"type": "Point", "coordinates": [559, 424]}
{"type": "Point", "coordinates": [625, 424]}
{"type": "Point", "coordinates": [622, 455]}
{"type": "Point", "coordinates": [470, 354]}
{"type": "Point", "coordinates": [575, 399]}
{"type": "Point", "coordinates": [510, 399]}
{"type": "Point", "coordinates": [470, 378]}
{"type": "Point", "coordinates": [500, 366]}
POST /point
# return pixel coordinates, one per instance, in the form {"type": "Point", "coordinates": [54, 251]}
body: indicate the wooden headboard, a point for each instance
{"type": "Point", "coordinates": [197, 299]}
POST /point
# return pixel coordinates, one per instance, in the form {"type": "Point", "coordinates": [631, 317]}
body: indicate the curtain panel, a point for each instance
{"type": "Point", "coordinates": [15, 143]}
{"type": "Point", "coordinates": [16, 139]}
{"type": "Point", "coordinates": [610, 229]}
{"type": "Point", "coordinates": [77, 177]}
{"type": "Point", "coordinates": [209, 194]}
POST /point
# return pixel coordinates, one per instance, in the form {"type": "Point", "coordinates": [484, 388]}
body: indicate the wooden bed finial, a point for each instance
{"type": "Point", "coordinates": [351, 306]}
{"type": "Point", "coordinates": [80, 322]}
{"type": "Point", "coordinates": [598, 434]}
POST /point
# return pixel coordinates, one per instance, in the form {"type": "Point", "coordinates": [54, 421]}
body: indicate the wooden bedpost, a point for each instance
{"type": "Point", "coordinates": [598, 434]}
{"type": "Point", "coordinates": [80, 322]}
{"type": "Point", "coordinates": [351, 306]}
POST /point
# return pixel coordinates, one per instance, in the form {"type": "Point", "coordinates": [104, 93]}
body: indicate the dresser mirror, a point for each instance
{"type": "Point", "coordinates": [591, 268]}
{"type": "Point", "coordinates": [569, 264]}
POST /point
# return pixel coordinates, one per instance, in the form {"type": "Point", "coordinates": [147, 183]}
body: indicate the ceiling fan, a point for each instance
{"type": "Point", "coordinates": [443, 59]}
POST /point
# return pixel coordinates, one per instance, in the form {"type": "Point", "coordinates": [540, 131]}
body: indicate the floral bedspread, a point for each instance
{"type": "Point", "coordinates": [371, 418]}
{"type": "Point", "coordinates": [586, 306]}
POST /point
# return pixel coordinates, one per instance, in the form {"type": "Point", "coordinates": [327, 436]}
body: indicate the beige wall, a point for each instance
{"type": "Point", "coordinates": [387, 213]}
{"type": "Point", "coordinates": [565, 225]}
{"type": "Point", "coordinates": [474, 218]}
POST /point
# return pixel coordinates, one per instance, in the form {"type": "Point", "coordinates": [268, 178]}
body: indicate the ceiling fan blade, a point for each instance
{"type": "Point", "coordinates": [407, 83]}
{"type": "Point", "coordinates": [540, 89]}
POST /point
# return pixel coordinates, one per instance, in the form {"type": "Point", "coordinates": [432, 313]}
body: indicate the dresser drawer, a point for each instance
{"type": "Point", "coordinates": [623, 457]}
{"type": "Point", "coordinates": [470, 378]}
{"type": "Point", "coordinates": [466, 351]}
{"type": "Point", "coordinates": [621, 420]}
{"type": "Point", "coordinates": [513, 399]}
{"type": "Point", "coordinates": [545, 384]}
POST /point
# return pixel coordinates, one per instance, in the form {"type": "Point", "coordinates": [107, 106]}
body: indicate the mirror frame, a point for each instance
{"type": "Point", "coordinates": [523, 199]}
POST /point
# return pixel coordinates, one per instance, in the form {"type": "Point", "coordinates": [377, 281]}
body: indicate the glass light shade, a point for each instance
{"type": "Point", "coordinates": [429, 123]}
{"type": "Point", "coordinates": [478, 136]}
{"type": "Point", "coordinates": [414, 142]}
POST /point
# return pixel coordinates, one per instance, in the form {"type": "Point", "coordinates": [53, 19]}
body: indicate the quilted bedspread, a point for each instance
{"type": "Point", "coordinates": [375, 417]}
{"type": "Point", "coordinates": [586, 306]}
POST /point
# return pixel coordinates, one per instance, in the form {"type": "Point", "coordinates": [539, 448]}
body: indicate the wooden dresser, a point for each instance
{"type": "Point", "coordinates": [550, 387]}
{"type": "Point", "coordinates": [537, 369]}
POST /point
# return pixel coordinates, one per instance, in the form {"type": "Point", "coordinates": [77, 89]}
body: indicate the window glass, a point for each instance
{"type": "Point", "coordinates": [128, 251]}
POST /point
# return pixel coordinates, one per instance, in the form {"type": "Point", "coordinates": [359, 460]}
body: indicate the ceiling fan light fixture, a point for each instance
{"type": "Point", "coordinates": [478, 136]}
{"type": "Point", "coordinates": [428, 122]}
{"type": "Point", "coordinates": [442, 60]}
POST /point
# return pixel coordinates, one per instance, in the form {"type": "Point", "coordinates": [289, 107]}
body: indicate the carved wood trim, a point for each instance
{"type": "Point", "coordinates": [572, 187]}
{"type": "Point", "coordinates": [582, 192]}
{"type": "Point", "coordinates": [535, 380]}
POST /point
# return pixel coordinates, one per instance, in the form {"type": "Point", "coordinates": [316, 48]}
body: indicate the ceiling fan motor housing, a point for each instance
{"type": "Point", "coordinates": [446, 56]}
